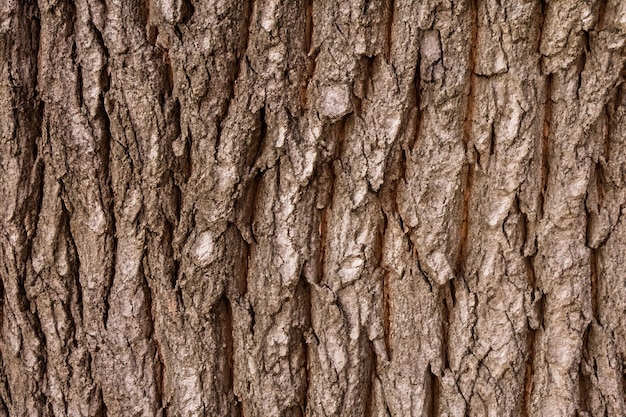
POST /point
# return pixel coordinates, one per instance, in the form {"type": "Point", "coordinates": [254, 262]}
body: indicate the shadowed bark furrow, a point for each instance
{"type": "Point", "coordinates": [312, 208]}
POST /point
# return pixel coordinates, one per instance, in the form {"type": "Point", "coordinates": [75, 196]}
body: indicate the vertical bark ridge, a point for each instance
{"type": "Point", "coordinates": [342, 360]}
{"type": "Point", "coordinates": [602, 362]}
{"type": "Point", "coordinates": [582, 96]}
{"type": "Point", "coordinates": [433, 189]}
{"type": "Point", "coordinates": [193, 38]}
{"type": "Point", "coordinates": [270, 350]}
{"type": "Point", "coordinates": [22, 386]}
{"type": "Point", "coordinates": [505, 126]}
{"type": "Point", "coordinates": [83, 199]}
{"type": "Point", "coordinates": [57, 293]}
{"type": "Point", "coordinates": [142, 119]}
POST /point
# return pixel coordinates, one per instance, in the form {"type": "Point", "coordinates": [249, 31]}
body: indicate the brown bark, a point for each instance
{"type": "Point", "coordinates": [312, 208]}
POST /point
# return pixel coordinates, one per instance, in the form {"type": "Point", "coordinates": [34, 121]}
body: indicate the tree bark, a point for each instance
{"type": "Point", "coordinates": [312, 208]}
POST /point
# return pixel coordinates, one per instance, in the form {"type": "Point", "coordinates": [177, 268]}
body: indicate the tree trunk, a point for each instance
{"type": "Point", "coordinates": [312, 208]}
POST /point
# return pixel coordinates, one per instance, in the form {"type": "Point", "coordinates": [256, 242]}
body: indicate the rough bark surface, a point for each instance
{"type": "Point", "coordinates": [312, 208]}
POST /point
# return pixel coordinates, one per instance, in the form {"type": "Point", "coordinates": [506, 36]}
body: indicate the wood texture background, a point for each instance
{"type": "Point", "coordinates": [312, 208]}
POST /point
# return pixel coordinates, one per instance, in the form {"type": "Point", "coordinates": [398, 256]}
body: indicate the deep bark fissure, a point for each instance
{"type": "Point", "coordinates": [545, 145]}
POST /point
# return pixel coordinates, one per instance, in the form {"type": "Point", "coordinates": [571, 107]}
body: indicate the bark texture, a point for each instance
{"type": "Point", "coordinates": [312, 208]}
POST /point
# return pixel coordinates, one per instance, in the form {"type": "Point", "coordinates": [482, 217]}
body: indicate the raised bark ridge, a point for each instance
{"type": "Point", "coordinates": [312, 208]}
